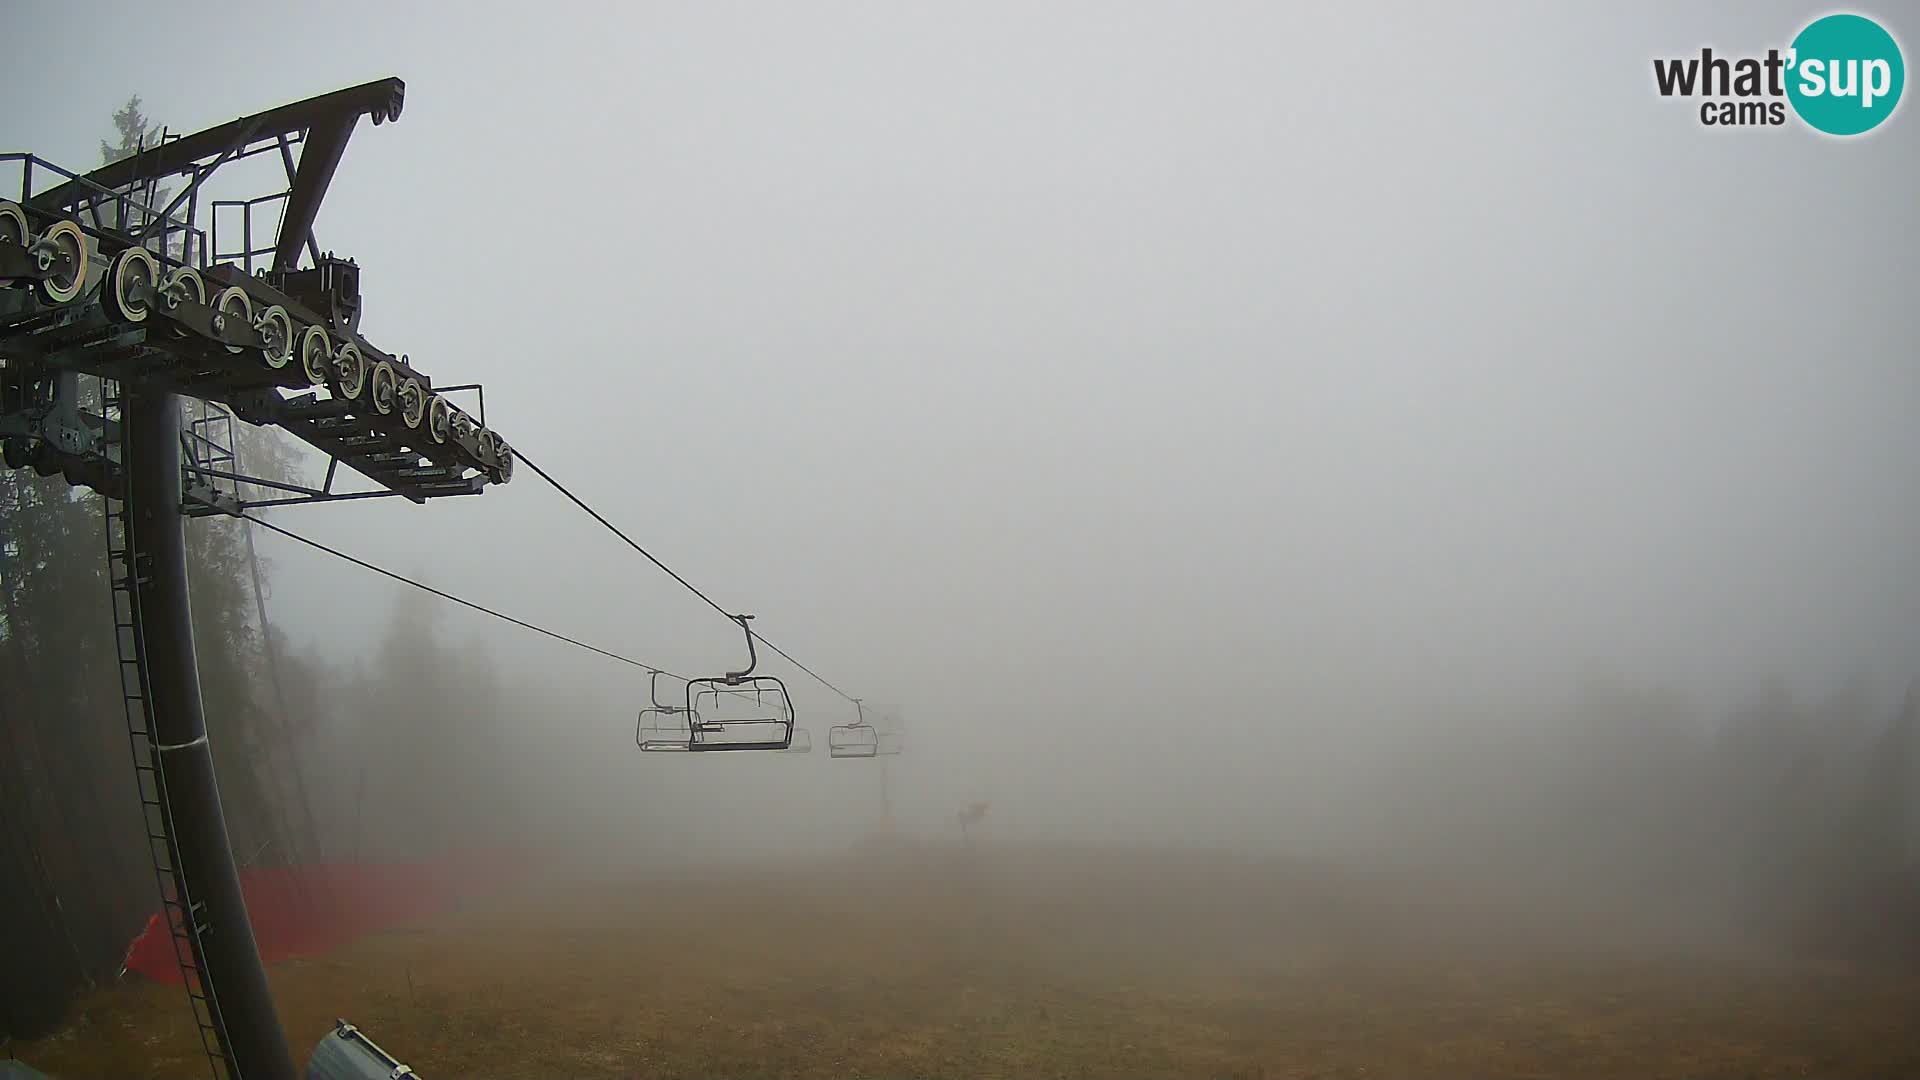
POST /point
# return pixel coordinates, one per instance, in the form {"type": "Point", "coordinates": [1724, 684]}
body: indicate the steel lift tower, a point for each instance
{"type": "Point", "coordinates": [115, 312]}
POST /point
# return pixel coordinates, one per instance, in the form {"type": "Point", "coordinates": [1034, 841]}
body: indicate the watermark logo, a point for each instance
{"type": "Point", "coordinates": [1841, 75]}
{"type": "Point", "coordinates": [1850, 74]}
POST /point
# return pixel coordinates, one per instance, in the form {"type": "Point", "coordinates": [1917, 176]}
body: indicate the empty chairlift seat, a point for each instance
{"type": "Point", "coordinates": [855, 740]}
{"type": "Point", "coordinates": [663, 726]}
{"type": "Point", "coordinates": [859, 739]}
{"type": "Point", "coordinates": [735, 711]}
{"type": "Point", "coordinates": [732, 713]}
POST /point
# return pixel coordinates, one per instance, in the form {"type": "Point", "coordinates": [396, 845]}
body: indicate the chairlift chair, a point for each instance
{"type": "Point", "coordinates": [856, 740]}
{"type": "Point", "coordinates": [768, 723]}
{"type": "Point", "coordinates": [662, 727]}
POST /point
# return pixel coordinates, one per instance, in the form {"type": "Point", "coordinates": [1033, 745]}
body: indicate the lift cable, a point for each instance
{"type": "Point", "coordinates": [615, 530]}
{"type": "Point", "coordinates": [338, 554]}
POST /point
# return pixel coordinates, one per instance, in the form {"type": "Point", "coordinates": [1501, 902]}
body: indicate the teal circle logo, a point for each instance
{"type": "Point", "coordinates": [1845, 74]}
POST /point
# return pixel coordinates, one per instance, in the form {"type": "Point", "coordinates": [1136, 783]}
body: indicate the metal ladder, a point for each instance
{"type": "Point", "coordinates": [180, 912]}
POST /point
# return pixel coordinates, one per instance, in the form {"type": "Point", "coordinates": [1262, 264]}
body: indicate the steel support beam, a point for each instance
{"type": "Point", "coordinates": [319, 157]}
{"type": "Point", "coordinates": [380, 99]}
{"type": "Point", "coordinates": [203, 870]}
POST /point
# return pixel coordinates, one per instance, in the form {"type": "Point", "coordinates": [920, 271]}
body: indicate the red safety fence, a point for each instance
{"type": "Point", "coordinates": [307, 910]}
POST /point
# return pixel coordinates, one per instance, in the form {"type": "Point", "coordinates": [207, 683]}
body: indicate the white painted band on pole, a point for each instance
{"type": "Point", "coordinates": [182, 746]}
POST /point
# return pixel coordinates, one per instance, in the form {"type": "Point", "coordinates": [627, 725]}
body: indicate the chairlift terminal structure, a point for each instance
{"type": "Point", "coordinates": [114, 312]}
{"type": "Point", "coordinates": [105, 283]}
{"type": "Point", "coordinates": [135, 338]}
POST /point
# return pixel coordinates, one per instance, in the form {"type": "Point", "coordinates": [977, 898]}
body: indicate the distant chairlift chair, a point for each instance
{"type": "Point", "coordinates": [856, 740]}
{"type": "Point", "coordinates": [662, 727]}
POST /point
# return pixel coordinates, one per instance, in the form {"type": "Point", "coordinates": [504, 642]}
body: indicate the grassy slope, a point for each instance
{"type": "Point", "coordinates": [1034, 965]}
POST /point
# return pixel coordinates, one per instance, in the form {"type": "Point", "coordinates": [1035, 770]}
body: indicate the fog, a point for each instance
{"type": "Point", "coordinates": [1358, 433]}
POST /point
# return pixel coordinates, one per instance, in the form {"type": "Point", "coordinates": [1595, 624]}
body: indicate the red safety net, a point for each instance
{"type": "Point", "coordinates": [305, 910]}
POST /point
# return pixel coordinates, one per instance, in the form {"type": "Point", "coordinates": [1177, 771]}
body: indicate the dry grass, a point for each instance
{"type": "Point", "coordinates": [1035, 965]}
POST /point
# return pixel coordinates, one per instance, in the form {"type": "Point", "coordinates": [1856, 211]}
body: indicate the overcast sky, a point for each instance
{"type": "Point", "coordinates": [1155, 358]}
